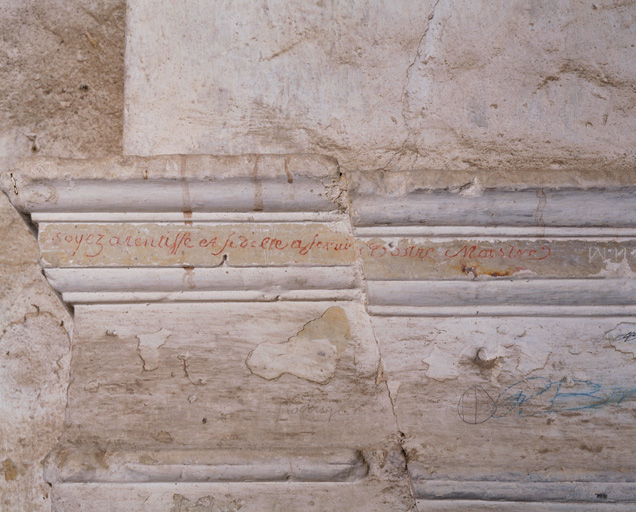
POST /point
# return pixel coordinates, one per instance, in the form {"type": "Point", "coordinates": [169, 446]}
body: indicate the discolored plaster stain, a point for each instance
{"type": "Point", "coordinates": [148, 348]}
{"type": "Point", "coordinates": [205, 504]}
{"type": "Point", "coordinates": [163, 437]}
{"type": "Point", "coordinates": [9, 469]}
{"type": "Point", "coordinates": [312, 354]}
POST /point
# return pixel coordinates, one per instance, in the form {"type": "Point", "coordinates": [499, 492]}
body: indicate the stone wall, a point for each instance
{"type": "Point", "coordinates": [61, 73]}
{"type": "Point", "coordinates": [386, 85]}
{"type": "Point", "coordinates": [500, 87]}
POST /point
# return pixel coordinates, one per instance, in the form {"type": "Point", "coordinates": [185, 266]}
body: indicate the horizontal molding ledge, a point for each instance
{"type": "Point", "coordinates": [520, 506]}
{"type": "Point", "coordinates": [473, 232]}
{"type": "Point", "coordinates": [536, 292]}
{"type": "Point", "coordinates": [271, 280]}
{"type": "Point", "coordinates": [231, 195]}
{"type": "Point", "coordinates": [567, 491]}
{"type": "Point", "coordinates": [194, 217]}
{"type": "Point", "coordinates": [519, 310]}
{"type": "Point", "coordinates": [210, 296]}
{"type": "Point", "coordinates": [344, 465]}
{"type": "Point", "coordinates": [567, 207]}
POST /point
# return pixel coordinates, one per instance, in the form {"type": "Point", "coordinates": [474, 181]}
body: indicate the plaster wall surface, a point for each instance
{"type": "Point", "coordinates": [386, 85]}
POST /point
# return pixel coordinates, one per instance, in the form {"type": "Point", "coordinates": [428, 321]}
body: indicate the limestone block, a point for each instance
{"type": "Point", "coordinates": [34, 366]}
{"type": "Point", "coordinates": [385, 85]}
{"type": "Point", "coordinates": [206, 366]}
{"type": "Point", "coordinates": [491, 363]}
{"type": "Point", "coordinates": [500, 394]}
{"type": "Point", "coordinates": [62, 75]}
{"type": "Point", "coordinates": [252, 497]}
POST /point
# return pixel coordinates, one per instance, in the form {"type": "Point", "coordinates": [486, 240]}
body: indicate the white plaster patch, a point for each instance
{"type": "Point", "coordinates": [148, 348]}
{"type": "Point", "coordinates": [533, 356]}
{"type": "Point", "coordinates": [441, 365]}
{"type": "Point", "coordinates": [312, 354]}
{"type": "Point", "coordinates": [616, 269]}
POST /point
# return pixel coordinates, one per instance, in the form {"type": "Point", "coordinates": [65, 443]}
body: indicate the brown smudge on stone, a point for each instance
{"type": "Point", "coordinates": [258, 188]}
{"type": "Point", "coordinates": [9, 469]}
{"type": "Point", "coordinates": [591, 449]}
{"type": "Point", "coordinates": [290, 177]}
{"type": "Point", "coordinates": [163, 437]}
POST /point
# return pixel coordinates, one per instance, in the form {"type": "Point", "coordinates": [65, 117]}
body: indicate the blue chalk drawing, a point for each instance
{"type": "Point", "coordinates": [536, 396]}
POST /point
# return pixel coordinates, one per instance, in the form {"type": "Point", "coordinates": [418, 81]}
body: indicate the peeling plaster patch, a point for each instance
{"type": "Point", "coordinates": [148, 346]}
{"type": "Point", "coordinates": [531, 358]}
{"type": "Point", "coordinates": [614, 269]}
{"type": "Point", "coordinates": [623, 338]}
{"type": "Point", "coordinates": [312, 354]}
{"type": "Point", "coordinates": [206, 504]}
{"type": "Point", "coordinates": [472, 189]}
{"type": "Point", "coordinates": [441, 365]}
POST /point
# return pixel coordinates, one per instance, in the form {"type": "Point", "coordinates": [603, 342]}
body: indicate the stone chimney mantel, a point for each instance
{"type": "Point", "coordinates": [256, 323]}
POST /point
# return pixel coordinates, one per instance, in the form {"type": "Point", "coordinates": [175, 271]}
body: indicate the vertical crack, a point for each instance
{"type": "Point", "coordinates": [407, 79]}
{"type": "Point", "coordinates": [380, 372]}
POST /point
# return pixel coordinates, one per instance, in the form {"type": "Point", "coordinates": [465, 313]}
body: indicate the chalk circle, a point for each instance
{"type": "Point", "coordinates": [476, 405]}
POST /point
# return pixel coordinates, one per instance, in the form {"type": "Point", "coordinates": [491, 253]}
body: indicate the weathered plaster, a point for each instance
{"type": "Point", "coordinates": [311, 354]}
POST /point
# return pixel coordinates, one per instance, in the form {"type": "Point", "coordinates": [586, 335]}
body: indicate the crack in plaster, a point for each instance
{"type": "Point", "coordinates": [407, 80]}
{"type": "Point", "coordinates": [392, 388]}
{"type": "Point", "coordinates": [185, 360]}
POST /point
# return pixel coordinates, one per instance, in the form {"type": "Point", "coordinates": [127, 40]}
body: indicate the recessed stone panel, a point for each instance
{"type": "Point", "coordinates": [511, 399]}
{"type": "Point", "coordinates": [526, 258]}
{"type": "Point", "coordinates": [68, 245]}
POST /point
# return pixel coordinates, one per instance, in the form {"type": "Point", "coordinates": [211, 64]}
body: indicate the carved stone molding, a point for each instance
{"type": "Point", "coordinates": [264, 319]}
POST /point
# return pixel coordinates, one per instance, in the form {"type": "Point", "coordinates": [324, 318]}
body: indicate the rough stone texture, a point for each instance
{"type": "Point", "coordinates": [528, 400]}
{"type": "Point", "coordinates": [393, 85]}
{"type": "Point", "coordinates": [61, 74]}
{"type": "Point", "coordinates": [61, 70]}
{"type": "Point", "coordinates": [35, 347]}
